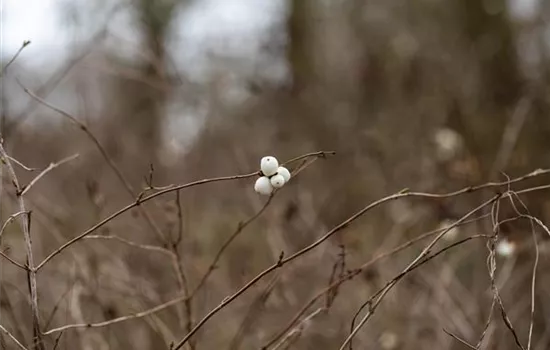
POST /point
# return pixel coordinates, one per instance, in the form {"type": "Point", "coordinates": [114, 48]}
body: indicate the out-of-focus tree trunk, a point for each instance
{"type": "Point", "coordinates": [488, 29]}
{"type": "Point", "coordinates": [138, 103]}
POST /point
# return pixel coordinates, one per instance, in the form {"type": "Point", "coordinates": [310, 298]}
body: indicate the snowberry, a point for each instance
{"type": "Point", "coordinates": [277, 181]}
{"type": "Point", "coordinates": [269, 165]}
{"type": "Point", "coordinates": [505, 248]}
{"type": "Point", "coordinates": [263, 186]}
{"type": "Point", "coordinates": [284, 173]}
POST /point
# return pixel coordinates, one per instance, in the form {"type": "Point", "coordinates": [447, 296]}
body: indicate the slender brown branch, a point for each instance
{"type": "Point", "coordinates": [133, 244]}
{"type": "Point", "coordinates": [138, 202]}
{"type": "Point", "coordinates": [13, 338]}
{"type": "Point", "coordinates": [118, 319]}
{"type": "Point", "coordinates": [464, 342]}
{"type": "Point", "coordinates": [23, 46]}
{"type": "Point", "coordinates": [353, 273]}
{"type": "Point", "coordinates": [295, 333]}
{"type": "Point", "coordinates": [105, 156]}
{"type": "Point", "coordinates": [240, 227]}
{"type": "Point", "coordinates": [19, 265]}
{"type": "Point", "coordinates": [20, 164]}
{"type": "Point", "coordinates": [344, 224]}
{"type": "Point", "coordinates": [31, 271]}
{"type": "Point", "coordinates": [532, 220]}
{"type": "Point", "coordinates": [10, 219]}
{"type": "Point", "coordinates": [373, 305]}
{"type": "Point", "coordinates": [50, 167]}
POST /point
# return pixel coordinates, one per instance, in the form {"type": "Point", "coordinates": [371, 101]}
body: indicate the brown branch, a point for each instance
{"type": "Point", "coordinates": [532, 220]}
{"type": "Point", "coordinates": [105, 156]}
{"type": "Point", "coordinates": [20, 164]}
{"type": "Point", "coordinates": [23, 46]}
{"type": "Point", "coordinates": [19, 265]}
{"type": "Point", "coordinates": [50, 167]}
{"type": "Point", "coordinates": [10, 219]}
{"type": "Point", "coordinates": [13, 338]}
{"type": "Point", "coordinates": [240, 227]}
{"type": "Point", "coordinates": [182, 278]}
{"type": "Point", "coordinates": [295, 333]}
{"type": "Point", "coordinates": [118, 319]}
{"type": "Point", "coordinates": [344, 224]}
{"type": "Point", "coordinates": [382, 293]}
{"type": "Point", "coordinates": [144, 199]}
{"type": "Point", "coordinates": [464, 342]}
{"type": "Point", "coordinates": [31, 271]}
{"type": "Point", "coordinates": [355, 272]}
{"type": "Point", "coordinates": [133, 244]}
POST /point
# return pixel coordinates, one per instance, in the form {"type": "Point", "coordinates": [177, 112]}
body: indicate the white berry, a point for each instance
{"type": "Point", "coordinates": [284, 173]}
{"type": "Point", "coordinates": [263, 186]}
{"type": "Point", "coordinates": [277, 181]}
{"type": "Point", "coordinates": [269, 165]}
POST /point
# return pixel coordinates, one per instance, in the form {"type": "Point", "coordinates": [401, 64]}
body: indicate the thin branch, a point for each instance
{"type": "Point", "coordinates": [50, 167]}
{"type": "Point", "coordinates": [106, 157]}
{"type": "Point", "coordinates": [23, 46]}
{"type": "Point", "coordinates": [344, 224]}
{"type": "Point", "coordinates": [31, 271]}
{"type": "Point", "coordinates": [532, 219]}
{"type": "Point", "coordinates": [10, 219]}
{"type": "Point", "coordinates": [241, 226]}
{"type": "Point", "coordinates": [464, 342]}
{"type": "Point", "coordinates": [133, 244]}
{"type": "Point", "coordinates": [254, 310]}
{"type": "Point", "coordinates": [415, 263]}
{"type": "Point", "coordinates": [13, 338]}
{"type": "Point", "coordinates": [295, 333]}
{"type": "Point", "coordinates": [353, 273]}
{"type": "Point", "coordinates": [20, 164]}
{"type": "Point", "coordinates": [144, 199]}
{"type": "Point", "coordinates": [19, 265]}
{"type": "Point", "coordinates": [118, 319]}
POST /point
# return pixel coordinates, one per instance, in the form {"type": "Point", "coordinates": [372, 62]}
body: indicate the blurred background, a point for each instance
{"type": "Point", "coordinates": [430, 95]}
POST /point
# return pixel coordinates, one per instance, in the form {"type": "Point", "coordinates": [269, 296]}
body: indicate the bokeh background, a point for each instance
{"type": "Point", "coordinates": [430, 95]}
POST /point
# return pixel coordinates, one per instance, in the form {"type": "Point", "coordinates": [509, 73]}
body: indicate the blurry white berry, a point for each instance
{"type": "Point", "coordinates": [448, 143]}
{"type": "Point", "coordinates": [263, 186]}
{"type": "Point", "coordinates": [505, 248]}
{"type": "Point", "coordinates": [269, 165]}
{"type": "Point", "coordinates": [284, 173]}
{"type": "Point", "coordinates": [277, 181]}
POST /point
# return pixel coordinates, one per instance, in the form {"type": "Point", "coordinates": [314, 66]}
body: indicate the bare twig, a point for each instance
{"type": "Point", "coordinates": [343, 225]}
{"type": "Point", "coordinates": [252, 314]}
{"type": "Point", "coordinates": [133, 244]}
{"type": "Point", "coordinates": [10, 219]}
{"type": "Point", "coordinates": [373, 304]}
{"type": "Point", "coordinates": [31, 271]}
{"type": "Point", "coordinates": [464, 342]}
{"type": "Point", "coordinates": [492, 266]}
{"type": "Point", "coordinates": [7, 257]}
{"type": "Point", "coordinates": [118, 319]}
{"type": "Point", "coordinates": [532, 220]}
{"type": "Point", "coordinates": [50, 167]}
{"type": "Point", "coordinates": [20, 164]}
{"type": "Point", "coordinates": [295, 333]}
{"type": "Point", "coordinates": [240, 227]}
{"type": "Point", "coordinates": [144, 199]}
{"type": "Point", "coordinates": [353, 273]}
{"type": "Point", "coordinates": [23, 46]}
{"type": "Point", "coordinates": [106, 157]}
{"type": "Point", "coordinates": [13, 338]}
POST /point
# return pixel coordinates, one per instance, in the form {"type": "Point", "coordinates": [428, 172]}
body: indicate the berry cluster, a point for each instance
{"type": "Point", "coordinates": [274, 176]}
